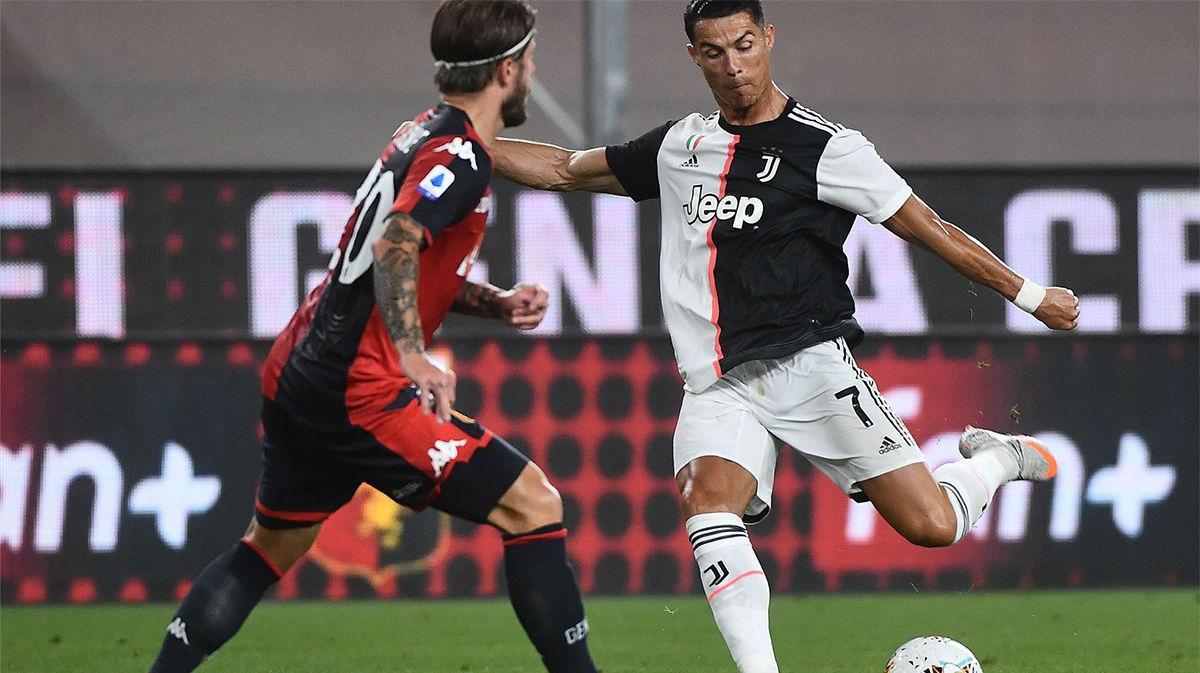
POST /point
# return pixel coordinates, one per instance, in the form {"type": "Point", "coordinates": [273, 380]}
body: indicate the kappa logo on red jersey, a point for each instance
{"type": "Point", "coordinates": [443, 453]}
{"type": "Point", "coordinates": [463, 149]}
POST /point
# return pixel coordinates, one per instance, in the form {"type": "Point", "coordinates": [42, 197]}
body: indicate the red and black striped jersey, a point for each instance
{"type": "Point", "coordinates": [335, 356]}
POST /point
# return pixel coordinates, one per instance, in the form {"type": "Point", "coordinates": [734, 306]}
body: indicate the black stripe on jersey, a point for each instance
{"type": "Point", "coordinates": [818, 115]}
{"type": "Point", "coordinates": [873, 391]}
{"type": "Point", "coordinates": [729, 536]}
{"type": "Point", "coordinates": [886, 409]}
{"type": "Point", "coordinates": [869, 384]}
{"type": "Point", "coordinates": [952, 489]}
{"type": "Point", "coordinates": [797, 115]}
{"type": "Point", "coordinates": [712, 530]}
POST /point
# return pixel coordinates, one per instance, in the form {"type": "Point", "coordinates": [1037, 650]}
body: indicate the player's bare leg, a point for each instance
{"type": "Point", "coordinates": [226, 591]}
{"type": "Point", "coordinates": [541, 584]}
{"type": "Point", "coordinates": [710, 484]}
{"type": "Point", "coordinates": [914, 505]}
{"type": "Point", "coordinates": [531, 502]}
{"type": "Point", "coordinates": [715, 492]}
{"type": "Point", "coordinates": [282, 547]}
{"type": "Point", "coordinates": [938, 509]}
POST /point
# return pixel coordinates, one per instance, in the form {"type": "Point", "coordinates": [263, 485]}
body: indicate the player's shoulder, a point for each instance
{"type": "Point", "coordinates": [698, 121]}
{"type": "Point", "coordinates": [441, 135]}
{"type": "Point", "coordinates": [690, 127]}
{"type": "Point", "coordinates": [464, 149]}
{"type": "Point", "coordinates": [814, 133]}
{"type": "Point", "coordinates": [808, 120]}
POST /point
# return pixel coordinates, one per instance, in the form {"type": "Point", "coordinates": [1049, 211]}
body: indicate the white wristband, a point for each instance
{"type": "Point", "coordinates": [1030, 296]}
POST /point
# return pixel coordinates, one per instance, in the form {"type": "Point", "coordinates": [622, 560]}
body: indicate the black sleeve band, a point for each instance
{"type": "Point", "coordinates": [635, 164]}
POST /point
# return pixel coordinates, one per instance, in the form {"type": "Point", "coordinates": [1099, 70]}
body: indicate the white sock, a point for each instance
{"type": "Point", "coordinates": [970, 484]}
{"type": "Point", "coordinates": [736, 588]}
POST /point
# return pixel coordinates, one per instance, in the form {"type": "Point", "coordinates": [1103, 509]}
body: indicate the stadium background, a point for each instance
{"type": "Point", "coordinates": [175, 174]}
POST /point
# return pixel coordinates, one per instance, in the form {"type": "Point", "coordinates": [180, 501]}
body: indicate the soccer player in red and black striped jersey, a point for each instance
{"type": "Point", "coordinates": [757, 200]}
{"type": "Point", "coordinates": [350, 394]}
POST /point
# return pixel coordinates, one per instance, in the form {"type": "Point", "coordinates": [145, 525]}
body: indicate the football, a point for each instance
{"type": "Point", "coordinates": [933, 654]}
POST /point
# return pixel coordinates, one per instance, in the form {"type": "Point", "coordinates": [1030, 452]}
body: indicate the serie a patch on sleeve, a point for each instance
{"type": "Point", "coordinates": [436, 182]}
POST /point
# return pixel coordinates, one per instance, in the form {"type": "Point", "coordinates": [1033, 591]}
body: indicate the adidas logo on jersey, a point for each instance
{"type": "Point", "coordinates": [742, 210]}
{"type": "Point", "coordinates": [692, 162]}
{"type": "Point", "coordinates": [888, 445]}
{"type": "Point", "coordinates": [443, 453]}
{"type": "Point", "coordinates": [178, 629]}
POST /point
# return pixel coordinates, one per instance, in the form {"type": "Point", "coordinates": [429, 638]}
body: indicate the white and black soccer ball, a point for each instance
{"type": "Point", "coordinates": [933, 654]}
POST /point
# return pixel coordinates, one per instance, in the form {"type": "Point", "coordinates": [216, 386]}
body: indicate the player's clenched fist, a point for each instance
{"type": "Point", "coordinates": [1059, 309]}
{"type": "Point", "coordinates": [524, 305]}
{"type": "Point", "coordinates": [435, 383]}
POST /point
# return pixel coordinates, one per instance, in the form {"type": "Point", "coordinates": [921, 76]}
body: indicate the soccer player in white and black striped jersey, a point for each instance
{"type": "Point", "coordinates": [757, 200]}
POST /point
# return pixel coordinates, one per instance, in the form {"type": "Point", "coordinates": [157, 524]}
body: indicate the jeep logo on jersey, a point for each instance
{"type": "Point", "coordinates": [741, 209]}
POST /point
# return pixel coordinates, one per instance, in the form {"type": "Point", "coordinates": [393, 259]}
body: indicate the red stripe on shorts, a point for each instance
{"type": "Point", "coordinates": [291, 516]}
{"type": "Point", "coordinates": [553, 535]}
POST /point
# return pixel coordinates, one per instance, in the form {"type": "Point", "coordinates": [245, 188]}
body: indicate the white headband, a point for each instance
{"type": "Point", "coordinates": [468, 64]}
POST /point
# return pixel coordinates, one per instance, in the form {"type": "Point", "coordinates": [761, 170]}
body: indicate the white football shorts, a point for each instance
{"type": "Point", "coordinates": [817, 401]}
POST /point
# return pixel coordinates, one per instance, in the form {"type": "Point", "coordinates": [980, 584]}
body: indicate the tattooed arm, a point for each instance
{"type": "Point", "coordinates": [477, 299]}
{"type": "Point", "coordinates": [522, 307]}
{"type": "Point", "coordinates": [396, 266]}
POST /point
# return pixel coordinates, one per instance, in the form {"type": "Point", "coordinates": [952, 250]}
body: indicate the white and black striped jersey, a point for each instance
{"type": "Point", "coordinates": [753, 222]}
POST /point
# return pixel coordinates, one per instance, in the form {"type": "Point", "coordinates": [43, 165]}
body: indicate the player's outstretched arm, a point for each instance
{"type": "Point", "coordinates": [554, 168]}
{"type": "Point", "coordinates": [396, 265]}
{"type": "Point", "coordinates": [522, 307]}
{"type": "Point", "coordinates": [917, 223]}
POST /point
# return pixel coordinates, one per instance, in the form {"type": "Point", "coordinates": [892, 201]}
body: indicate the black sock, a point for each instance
{"type": "Point", "coordinates": [220, 600]}
{"type": "Point", "coordinates": [545, 596]}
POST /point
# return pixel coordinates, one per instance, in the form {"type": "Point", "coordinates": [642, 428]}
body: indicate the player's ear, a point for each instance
{"type": "Point", "coordinates": [506, 73]}
{"type": "Point", "coordinates": [769, 32]}
{"type": "Point", "coordinates": [692, 54]}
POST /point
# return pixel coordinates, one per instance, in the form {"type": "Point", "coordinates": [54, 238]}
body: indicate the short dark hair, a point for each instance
{"type": "Point", "coordinates": [472, 30]}
{"type": "Point", "coordinates": [699, 10]}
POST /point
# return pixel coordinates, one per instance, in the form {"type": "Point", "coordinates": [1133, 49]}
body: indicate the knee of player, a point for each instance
{"type": "Point", "coordinates": [540, 503]}
{"type": "Point", "coordinates": [281, 547]}
{"type": "Point", "coordinates": [702, 497]}
{"type": "Point", "coordinates": [547, 502]}
{"type": "Point", "coordinates": [933, 530]}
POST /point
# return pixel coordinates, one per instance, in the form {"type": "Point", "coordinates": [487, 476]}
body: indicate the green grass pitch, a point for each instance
{"type": "Point", "coordinates": [1018, 632]}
